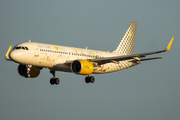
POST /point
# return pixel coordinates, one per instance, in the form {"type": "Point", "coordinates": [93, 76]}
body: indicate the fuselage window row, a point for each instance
{"type": "Point", "coordinates": [75, 54]}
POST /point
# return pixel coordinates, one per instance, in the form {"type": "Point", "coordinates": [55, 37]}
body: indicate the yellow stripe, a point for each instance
{"type": "Point", "coordinates": [170, 43]}
{"type": "Point", "coordinates": [9, 50]}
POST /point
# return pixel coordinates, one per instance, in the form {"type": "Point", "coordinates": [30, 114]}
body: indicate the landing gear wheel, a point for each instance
{"type": "Point", "coordinates": [91, 79]}
{"type": "Point", "coordinates": [56, 81]}
{"type": "Point", "coordinates": [52, 81]}
{"type": "Point", "coordinates": [87, 79]}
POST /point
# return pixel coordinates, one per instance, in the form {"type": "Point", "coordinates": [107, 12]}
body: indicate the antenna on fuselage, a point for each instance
{"type": "Point", "coordinates": [29, 40]}
{"type": "Point", "coordinates": [86, 47]}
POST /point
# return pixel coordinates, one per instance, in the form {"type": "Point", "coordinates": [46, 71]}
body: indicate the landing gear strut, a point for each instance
{"type": "Point", "coordinates": [89, 79]}
{"type": "Point", "coordinates": [54, 80]}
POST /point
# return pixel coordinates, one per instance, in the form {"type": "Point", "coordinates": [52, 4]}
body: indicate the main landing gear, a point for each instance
{"type": "Point", "coordinates": [89, 79]}
{"type": "Point", "coordinates": [54, 80]}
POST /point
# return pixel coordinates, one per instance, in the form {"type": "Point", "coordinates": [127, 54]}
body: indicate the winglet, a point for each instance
{"type": "Point", "coordinates": [169, 45]}
{"type": "Point", "coordinates": [7, 54]}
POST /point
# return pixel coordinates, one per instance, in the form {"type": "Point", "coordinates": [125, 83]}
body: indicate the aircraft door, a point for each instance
{"type": "Point", "coordinates": [36, 50]}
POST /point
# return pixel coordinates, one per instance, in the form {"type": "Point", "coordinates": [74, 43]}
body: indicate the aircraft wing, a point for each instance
{"type": "Point", "coordinates": [127, 57]}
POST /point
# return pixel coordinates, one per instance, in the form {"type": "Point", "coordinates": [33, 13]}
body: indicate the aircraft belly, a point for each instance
{"type": "Point", "coordinates": [61, 67]}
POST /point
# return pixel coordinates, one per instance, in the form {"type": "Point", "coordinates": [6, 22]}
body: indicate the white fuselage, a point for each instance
{"type": "Point", "coordinates": [55, 57]}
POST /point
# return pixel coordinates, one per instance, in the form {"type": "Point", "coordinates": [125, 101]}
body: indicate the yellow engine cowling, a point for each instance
{"type": "Point", "coordinates": [30, 72]}
{"type": "Point", "coordinates": [82, 67]}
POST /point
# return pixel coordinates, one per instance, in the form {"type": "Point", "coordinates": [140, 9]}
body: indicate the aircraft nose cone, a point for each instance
{"type": "Point", "coordinates": [15, 56]}
{"type": "Point", "coordinates": [12, 55]}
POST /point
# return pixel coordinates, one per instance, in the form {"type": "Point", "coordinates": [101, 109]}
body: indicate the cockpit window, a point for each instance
{"type": "Point", "coordinates": [18, 47]}
{"type": "Point", "coordinates": [22, 47]}
{"type": "Point", "coordinates": [26, 48]}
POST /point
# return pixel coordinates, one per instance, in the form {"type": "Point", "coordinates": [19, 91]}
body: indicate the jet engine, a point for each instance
{"type": "Point", "coordinates": [82, 67]}
{"type": "Point", "coordinates": [28, 71]}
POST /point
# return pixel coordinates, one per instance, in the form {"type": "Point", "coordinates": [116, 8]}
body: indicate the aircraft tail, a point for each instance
{"type": "Point", "coordinates": [126, 44]}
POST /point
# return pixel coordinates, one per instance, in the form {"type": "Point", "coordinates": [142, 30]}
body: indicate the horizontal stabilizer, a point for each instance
{"type": "Point", "coordinates": [151, 58]}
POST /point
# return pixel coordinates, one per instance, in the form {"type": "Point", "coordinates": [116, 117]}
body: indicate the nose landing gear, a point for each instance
{"type": "Point", "coordinates": [54, 80]}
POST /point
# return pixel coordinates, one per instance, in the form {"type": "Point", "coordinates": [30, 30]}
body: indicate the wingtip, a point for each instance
{"type": "Point", "coordinates": [169, 45]}
{"type": "Point", "coordinates": [7, 54]}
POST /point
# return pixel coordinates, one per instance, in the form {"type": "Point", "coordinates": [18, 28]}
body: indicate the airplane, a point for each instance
{"type": "Point", "coordinates": [33, 56]}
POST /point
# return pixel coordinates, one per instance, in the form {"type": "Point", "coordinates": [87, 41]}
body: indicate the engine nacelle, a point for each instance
{"type": "Point", "coordinates": [82, 67]}
{"type": "Point", "coordinates": [28, 72]}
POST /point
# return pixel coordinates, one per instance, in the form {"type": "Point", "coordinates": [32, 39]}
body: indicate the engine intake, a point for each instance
{"type": "Point", "coordinates": [82, 67]}
{"type": "Point", "coordinates": [28, 72]}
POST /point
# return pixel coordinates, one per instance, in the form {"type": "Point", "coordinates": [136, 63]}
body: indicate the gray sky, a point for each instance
{"type": "Point", "coordinates": [149, 91]}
